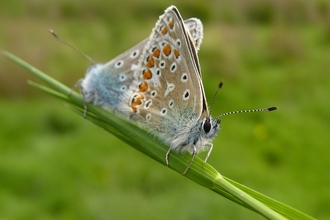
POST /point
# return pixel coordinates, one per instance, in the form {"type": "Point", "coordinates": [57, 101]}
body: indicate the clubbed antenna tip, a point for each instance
{"type": "Point", "coordinates": [272, 108]}
{"type": "Point", "coordinates": [215, 96]}
{"type": "Point", "coordinates": [220, 85]}
{"type": "Point", "coordinates": [53, 33]}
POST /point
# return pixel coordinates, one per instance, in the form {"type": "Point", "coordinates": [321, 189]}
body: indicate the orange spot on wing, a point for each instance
{"type": "Point", "coordinates": [150, 62]}
{"type": "Point", "coordinates": [167, 50]}
{"type": "Point", "coordinates": [147, 74]}
{"type": "Point", "coordinates": [164, 30]}
{"type": "Point", "coordinates": [156, 53]}
{"type": "Point", "coordinates": [176, 54]}
{"type": "Point", "coordinates": [143, 87]}
{"type": "Point", "coordinates": [171, 24]}
{"type": "Point", "coordinates": [137, 101]}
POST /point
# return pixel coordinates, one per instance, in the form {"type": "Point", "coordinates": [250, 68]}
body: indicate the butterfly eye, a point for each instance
{"type": "Point", "coordinates": [207, 125]}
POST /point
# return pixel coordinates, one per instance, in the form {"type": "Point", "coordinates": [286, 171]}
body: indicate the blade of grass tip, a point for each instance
{"type": "Point", "coordinates": [39, 74]}
{"type": "Point", "coordinates": [282, 208]}
{"type": "Point", "coordinates": [255, 204]}
{"type": "Point", "coordinates": [49, 91]}
{"type": "Point", "coordinates": [56, 85]}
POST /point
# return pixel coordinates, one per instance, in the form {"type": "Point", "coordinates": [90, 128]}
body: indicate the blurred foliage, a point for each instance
{"type": "Point", "coordinates": [54, 165]}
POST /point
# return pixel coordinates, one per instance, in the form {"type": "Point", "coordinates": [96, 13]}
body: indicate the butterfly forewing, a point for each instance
{"type": "Point", "coordinates": [171, 98]}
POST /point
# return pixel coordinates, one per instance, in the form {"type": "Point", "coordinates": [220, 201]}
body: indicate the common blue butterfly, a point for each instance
{"type": "Point", "coordinates": [158, 85]}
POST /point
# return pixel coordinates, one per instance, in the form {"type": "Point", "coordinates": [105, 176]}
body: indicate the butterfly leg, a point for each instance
{"type": "Point", "coordinates": [78, 83]}
{"type": "Point", "coordinates": [191, 160]}
{"type": "Point", "coordinates": [209, 152]}
{"type": "Point", "coordinates": [166, 158]}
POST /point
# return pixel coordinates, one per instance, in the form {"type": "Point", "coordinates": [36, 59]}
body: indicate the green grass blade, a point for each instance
{"type": "Point", "coordinates": [49, 91]}
{"type": "Point", "coordinates": [200, 172]}
{"type": "Point", "coordinates": [285, 210]}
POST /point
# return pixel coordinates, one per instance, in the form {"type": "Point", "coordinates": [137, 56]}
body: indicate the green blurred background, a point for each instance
{"type": "Point", "coordinates": [56, 165]}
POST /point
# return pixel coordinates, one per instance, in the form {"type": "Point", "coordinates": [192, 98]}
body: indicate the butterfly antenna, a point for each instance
{"type": "Point", "coordinates": [215, 96]}
{"type": "Point", "coordinates": [71, 46]}
{"type": "Point", "coordinates": [246, 111]}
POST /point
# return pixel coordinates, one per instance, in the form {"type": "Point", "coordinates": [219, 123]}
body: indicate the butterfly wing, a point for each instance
{"type": "Point", "coordinates": [169, 96]}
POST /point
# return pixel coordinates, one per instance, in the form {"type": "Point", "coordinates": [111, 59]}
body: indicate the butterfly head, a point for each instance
{"type": "Point", "coordinates": [210, 127]}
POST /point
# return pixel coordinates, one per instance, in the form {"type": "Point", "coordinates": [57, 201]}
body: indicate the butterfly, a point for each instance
{"type": "Point", "coordinates": [158, 85]}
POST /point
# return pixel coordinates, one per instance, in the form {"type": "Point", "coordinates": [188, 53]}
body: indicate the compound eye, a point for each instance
{"type": "Point", "coordinates": [207, 126]}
